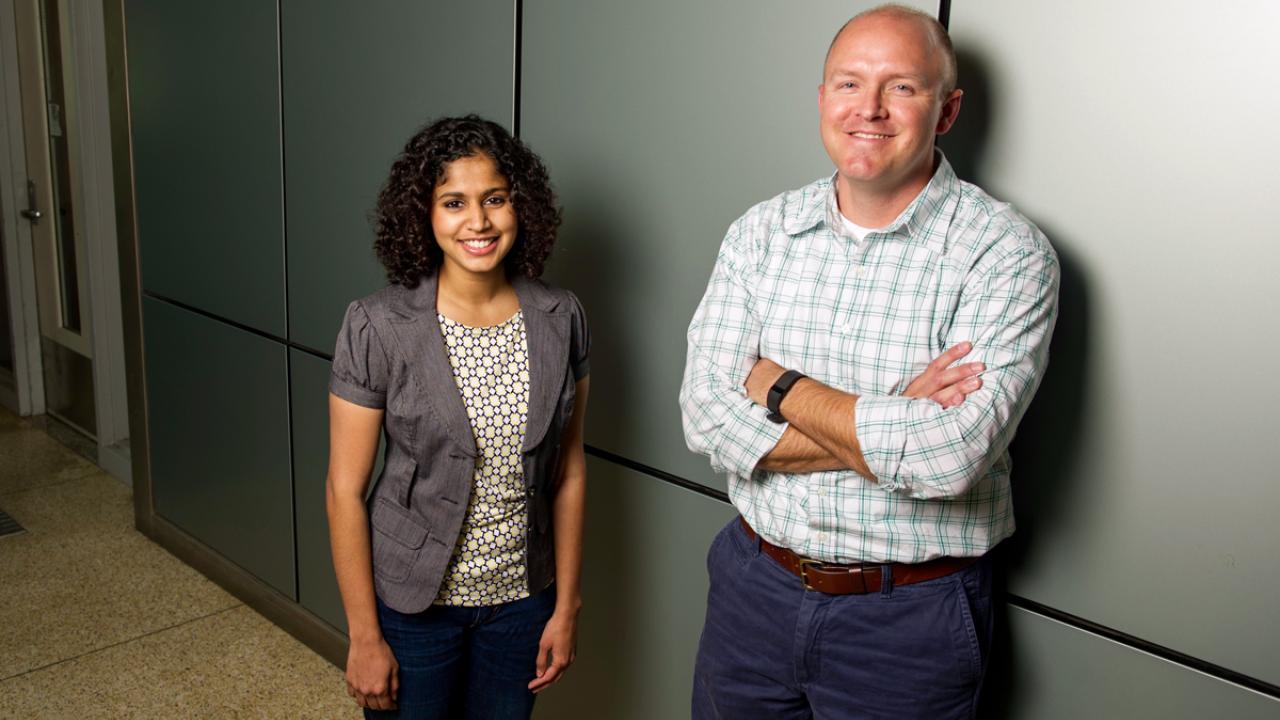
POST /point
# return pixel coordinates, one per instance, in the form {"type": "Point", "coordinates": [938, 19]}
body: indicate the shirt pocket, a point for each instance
{"type": "Point", "coordinates": [880, 352]}
{"type": "Point", "coordinates": [397, 539]}
{"type": "Point", "coordinates": [891, 322]}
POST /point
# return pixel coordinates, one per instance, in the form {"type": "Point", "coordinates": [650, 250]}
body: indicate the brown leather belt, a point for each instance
{"type": "Point", "coordinates": [835, 579]}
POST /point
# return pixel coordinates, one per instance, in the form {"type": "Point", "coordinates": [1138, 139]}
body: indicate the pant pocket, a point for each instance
{"type": "Point", "coordinates": [968, 634]}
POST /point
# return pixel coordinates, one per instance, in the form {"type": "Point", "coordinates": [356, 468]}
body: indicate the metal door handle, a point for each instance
{"type": "Point", "coordinates": [32, 213]}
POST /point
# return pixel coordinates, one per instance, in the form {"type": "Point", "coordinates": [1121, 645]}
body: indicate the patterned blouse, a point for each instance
{"type": "Point", "coordinates": [491, 369]}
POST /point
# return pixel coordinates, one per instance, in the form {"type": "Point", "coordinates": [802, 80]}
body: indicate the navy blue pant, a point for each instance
{"type": "Point", "coordinates": [772, 650]}
{"type": "Point", "coordinates": [466, 662]}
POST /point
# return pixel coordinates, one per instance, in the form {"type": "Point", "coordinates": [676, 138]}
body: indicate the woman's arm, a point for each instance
{"type": "Point", "coordinates": [353, 443]}
{"type": "Point", "coordinates": [560, 637]}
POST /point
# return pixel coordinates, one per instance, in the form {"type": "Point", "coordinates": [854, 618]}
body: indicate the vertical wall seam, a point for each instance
{"type": "Point", "coordinates": [288, 355]}
{"type": "Point", "coordinates": [516, 69]}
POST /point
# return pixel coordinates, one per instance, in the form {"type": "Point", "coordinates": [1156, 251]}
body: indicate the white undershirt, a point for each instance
{"type": "Point", "coordinates": [857, 230]}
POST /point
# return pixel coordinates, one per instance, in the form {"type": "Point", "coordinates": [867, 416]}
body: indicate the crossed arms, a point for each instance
{"type": "Point", "coordinates": [933, 441]}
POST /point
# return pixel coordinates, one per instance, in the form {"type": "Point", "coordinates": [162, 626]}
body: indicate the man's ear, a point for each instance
{"type": "Point", "coordinates": [950, 111]}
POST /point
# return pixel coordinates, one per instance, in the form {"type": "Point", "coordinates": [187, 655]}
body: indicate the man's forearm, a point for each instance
{"type": "Point", "coordinates": [825, 416]}
{"type": "Point", "coordinates": [798, 453]}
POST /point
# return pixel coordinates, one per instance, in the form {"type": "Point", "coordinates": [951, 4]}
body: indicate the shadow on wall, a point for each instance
{"type": "Point", "coordinates": [1045, 451]}
{"type": "Point", "coordinates": [587, 226]}
{"type": "Point", "coordinates": [588, 265]}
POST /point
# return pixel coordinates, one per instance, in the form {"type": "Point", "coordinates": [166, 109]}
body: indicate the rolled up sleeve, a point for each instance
{"type": "Point", "coordinates": [580, 345]}
{"type": "Point", "coordinates": [720, 421]}
{"type": "Point", "coordinates": [914, 446]}
{"type": "Point", "coordinates": [359, 373]}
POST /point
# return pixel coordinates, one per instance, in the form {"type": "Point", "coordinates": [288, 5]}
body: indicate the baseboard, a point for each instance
{"type": "Point", "coordinates": [8, 393]}
{"type": "Point", "coordinates": [283, 611]}
{"type": "Point", "coordinates": [116, 461]}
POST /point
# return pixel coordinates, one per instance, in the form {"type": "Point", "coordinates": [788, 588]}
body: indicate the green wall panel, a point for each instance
{"type": "Point", "coordinates": [219, 438]}
{"type": "Point", "coordinates": [1139, 509]}
{"type": "Point", "coordinates": [205, 110]}
{"type": "Point", "coordinates": [358, 80]}
{"type": "Point", "coordinates": [644, 598]}
{"type": "Point", "coordinates": [1054, 671]}
{"type": "Point", "coordinates": [309, 394]}
{"type": "Point", "coordinates": [659, 133]}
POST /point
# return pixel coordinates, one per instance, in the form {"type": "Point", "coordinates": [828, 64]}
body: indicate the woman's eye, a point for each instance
{"type": "Point", "coordinates": [496, 200]}
{"type": "Point", "coordinates": [452, 204]}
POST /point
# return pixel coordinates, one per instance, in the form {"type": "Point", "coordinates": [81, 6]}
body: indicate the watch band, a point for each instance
{"type": "Point", "coordinates": [779, 390]}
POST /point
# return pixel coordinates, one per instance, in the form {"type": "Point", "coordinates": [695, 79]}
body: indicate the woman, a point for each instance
{"type": "Point", "coordinates": [460, 599]}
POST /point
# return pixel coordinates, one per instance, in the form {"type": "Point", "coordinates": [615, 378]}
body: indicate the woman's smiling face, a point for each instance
{"type": "Point", "coordinates": [472, 217]}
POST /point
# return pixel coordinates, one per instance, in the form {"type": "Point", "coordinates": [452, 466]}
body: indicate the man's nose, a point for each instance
{"type": "Point", "coordinates": [870, 105]}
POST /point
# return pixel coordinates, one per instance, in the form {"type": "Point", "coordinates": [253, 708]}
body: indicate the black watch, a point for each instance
{"type": "Point", "coordinates": [779, 390]}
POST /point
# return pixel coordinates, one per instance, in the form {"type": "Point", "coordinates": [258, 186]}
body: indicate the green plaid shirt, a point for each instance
{"type": "Point", "coordinates": [866, 317]}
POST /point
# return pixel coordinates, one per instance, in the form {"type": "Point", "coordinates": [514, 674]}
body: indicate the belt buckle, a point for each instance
{"type": "Point", "coordinates": [804, 577]}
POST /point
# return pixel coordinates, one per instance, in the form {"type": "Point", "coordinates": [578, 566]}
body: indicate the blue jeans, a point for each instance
{"type": "Point", "coordinates": [466, 662]}
{"type": "Point", "coordinates": [771, 649]}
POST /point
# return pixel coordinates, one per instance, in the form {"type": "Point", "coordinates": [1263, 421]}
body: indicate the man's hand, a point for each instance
{"type": "Point", "coordinates": [373, 675]}
{"type": "Point", "coordinates": [948, 386]}
{"type": "Point", "coordinates": [556, 650]}
{"type": "Point", "coordinates": [762, 377]}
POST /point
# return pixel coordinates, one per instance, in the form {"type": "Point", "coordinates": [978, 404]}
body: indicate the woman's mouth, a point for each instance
{"type": "Point", "coordinates": [480, 246]}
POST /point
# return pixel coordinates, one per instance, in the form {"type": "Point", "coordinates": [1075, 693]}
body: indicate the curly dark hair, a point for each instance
{"type": "Point", "coordinates": [405, 243]}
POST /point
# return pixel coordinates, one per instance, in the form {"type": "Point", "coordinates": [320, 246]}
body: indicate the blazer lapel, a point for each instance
{"type": "Point", "coordinates": [546, 327]}
{"type": "Point", "coordinates": [418, 331]}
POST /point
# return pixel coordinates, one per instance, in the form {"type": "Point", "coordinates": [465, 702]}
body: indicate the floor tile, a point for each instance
{"type": "Point", "coordinates": [30, 458]}
{"type": "Point", "coordinates": [81, 578]}
{"type": "Point", "coordinates": [233, 664]}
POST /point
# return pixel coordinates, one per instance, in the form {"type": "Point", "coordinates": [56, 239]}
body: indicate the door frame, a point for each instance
{"type": "Point", "coordinates": [19, 259]}
{"type": "Point", "coordinates": [94, 205]}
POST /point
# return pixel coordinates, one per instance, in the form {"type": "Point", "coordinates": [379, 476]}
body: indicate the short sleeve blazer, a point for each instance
{"type": "Point", "coordinates": [390, 355]}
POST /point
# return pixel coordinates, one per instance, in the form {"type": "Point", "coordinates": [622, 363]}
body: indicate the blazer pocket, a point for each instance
{"type": "Point", "coordinates": [397, 539]}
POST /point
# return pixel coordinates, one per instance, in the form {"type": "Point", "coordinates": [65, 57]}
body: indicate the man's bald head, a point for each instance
{"type": "Point", "coordinates": [938, 35]}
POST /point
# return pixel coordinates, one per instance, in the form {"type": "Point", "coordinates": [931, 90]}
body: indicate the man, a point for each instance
{"type": "Point", "coordinates": [869, 467]}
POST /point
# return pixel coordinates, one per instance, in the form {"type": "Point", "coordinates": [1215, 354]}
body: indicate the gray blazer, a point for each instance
{"type": "Point", "coordinates": [390, 354]}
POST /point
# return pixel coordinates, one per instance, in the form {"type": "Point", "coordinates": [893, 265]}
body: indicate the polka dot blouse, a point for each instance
{"type": "Point", "coordinates": [491, 368]}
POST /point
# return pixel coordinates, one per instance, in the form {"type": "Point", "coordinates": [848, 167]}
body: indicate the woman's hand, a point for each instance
{"type": "Point", "coordinates": [373, 675]}
{"type": "Point", "coordinates": [557, 649]}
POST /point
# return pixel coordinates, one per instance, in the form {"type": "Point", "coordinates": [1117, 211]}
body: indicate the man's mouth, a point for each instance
{"type": "Point", "coordinates": [869, 135]}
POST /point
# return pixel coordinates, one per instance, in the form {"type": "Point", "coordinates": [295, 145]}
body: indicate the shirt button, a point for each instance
{"type": "Point", "coordinates": [860, 271]}
{"type": "Point", "coordinates": [531, 491]}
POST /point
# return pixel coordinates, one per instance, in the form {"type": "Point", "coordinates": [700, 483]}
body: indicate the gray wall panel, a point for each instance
{"type": "Point", "coordinates": [644, 598]}
{"type": "Point", "coordinates": [1145, 474]}
{"type": "Point", "coordinates": [205, 110]}
{"type": "Point", "coordinates": [218, 407]}
{"type": "Point", "coordinates": [308, 392]}
{"type": "Point", "coordinates": [658, 134]}
{"type": "Point", "coordinates": [359, 79]}
{"type": "Point", "coordinates": [1056, 671]}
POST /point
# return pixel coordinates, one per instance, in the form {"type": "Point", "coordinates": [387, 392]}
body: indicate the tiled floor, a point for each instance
{"type": "Point", "coordinates": [96, 621]}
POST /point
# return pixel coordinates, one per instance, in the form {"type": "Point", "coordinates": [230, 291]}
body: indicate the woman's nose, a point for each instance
{"type": "Point", "coordinates": [479, 218]}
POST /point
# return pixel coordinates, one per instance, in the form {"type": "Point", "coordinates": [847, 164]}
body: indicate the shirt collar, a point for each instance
{"type": "Point", "coordinates": [817, 204]}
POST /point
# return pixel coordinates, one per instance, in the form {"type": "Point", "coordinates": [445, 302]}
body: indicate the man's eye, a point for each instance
{"type": "Point", "coordinates": [903, 89]}
{"type": "Point", "coordinates": [846, 85]}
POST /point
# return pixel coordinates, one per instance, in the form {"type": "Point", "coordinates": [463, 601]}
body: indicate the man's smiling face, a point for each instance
{"type": "Point", "coordinates": [882, 103]}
